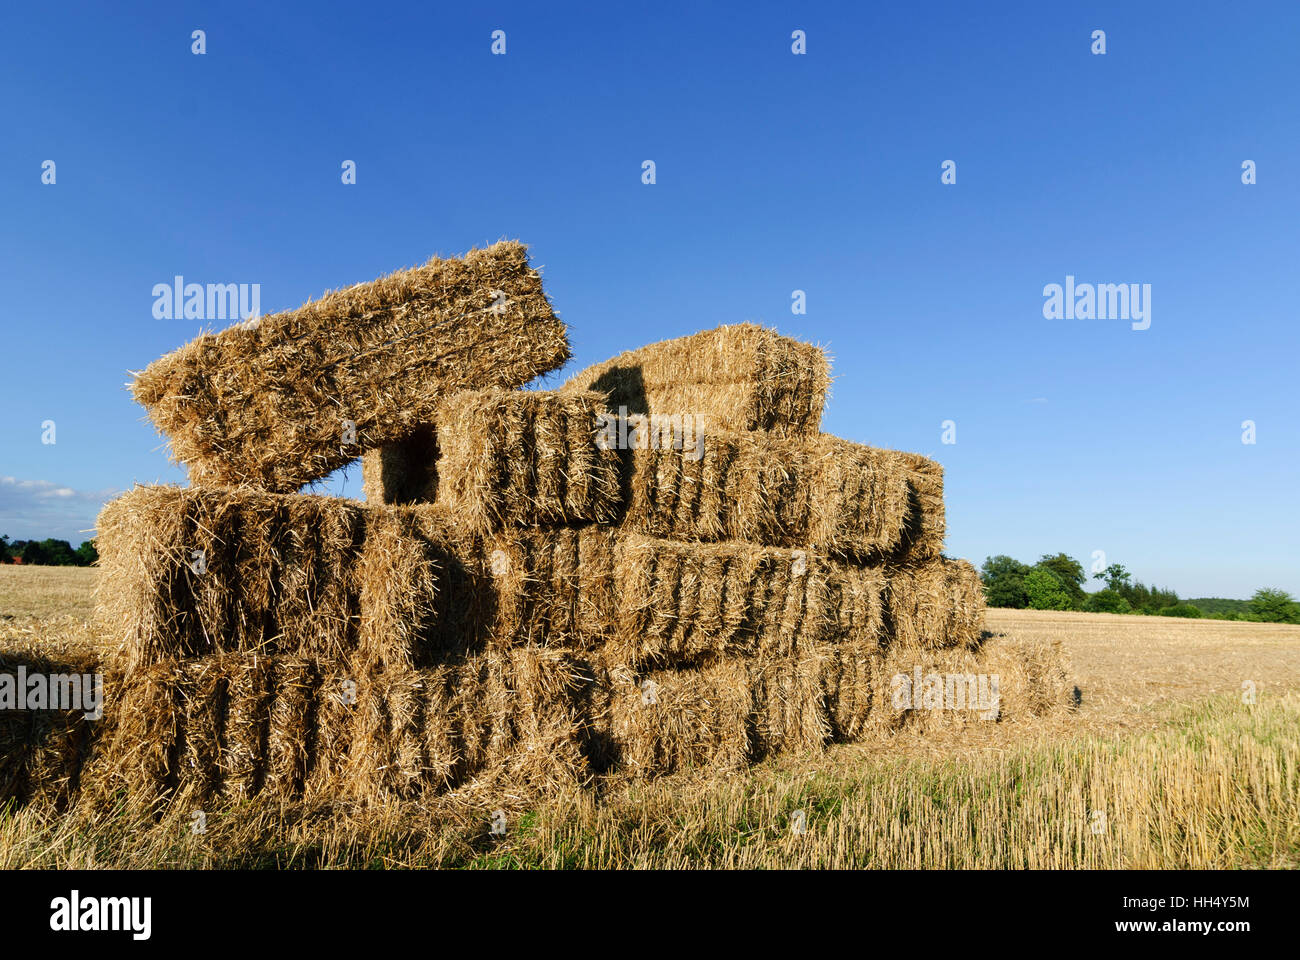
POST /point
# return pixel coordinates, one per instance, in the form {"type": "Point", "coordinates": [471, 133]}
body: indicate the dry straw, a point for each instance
{"type": "Point", "coordinates": [871, 693]}
{"type": "Point", "coordinates": [935, 604]}
{"type": "Point", "coordinates": [733, 712]}
{"type": "Point", "coordinates": [735, 378]}
{"type": "Point", "coordinates": [1030, 679]}
{"type": "Point", "coordinates": [239, 726]}
{"type": "Point", "coordinates": [42, 751]}
{"type": "Point", "coordinates": [270, 403]}
{"type": "Point", "coordinates": [192, 572]}
{"type": "Point", "coordinates": [684, 603]}
{"type": "Point", "coordinates": [824, 492]}
{"type": "Point", "coordinates": [924, 531]}
{"type": "Point", "coordinates": [670, 721]}
{"type": "Point", "coordinates": [524, 458]}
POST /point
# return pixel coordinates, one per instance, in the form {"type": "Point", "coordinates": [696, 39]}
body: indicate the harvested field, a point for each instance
{"type": "Point", "coordinates": [269, 403]}
{"type": "Point", "coordinates": [46, 592]}
{"type": "Point", "coordinates": [734, 378]}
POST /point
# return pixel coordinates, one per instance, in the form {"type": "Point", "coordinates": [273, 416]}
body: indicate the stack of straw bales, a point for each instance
{"type": "Point", "coordinates": [663, 565]}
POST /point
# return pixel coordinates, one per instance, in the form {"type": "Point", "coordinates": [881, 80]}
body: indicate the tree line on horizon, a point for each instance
{"type": "Point", "coordinates": [48, 552]}
{"type": "Point", "coordinates": [1056, 582]}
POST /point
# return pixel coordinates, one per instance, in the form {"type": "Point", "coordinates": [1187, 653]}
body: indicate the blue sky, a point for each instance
{"type": "Point", "coordinates": [775, 172]}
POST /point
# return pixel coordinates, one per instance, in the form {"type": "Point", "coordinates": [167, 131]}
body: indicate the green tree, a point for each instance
{"type": "Point", "coordinates": [4, 548]}
{"type": "Point", "coordinates": [32, 552]}
{"type": "Point", "coordinates": [1271, 605]}
{"type": "Point", "coordinates": [1180, 610]}
{"type": "Point", "coordinates": [1004, 582]}
{"type": "Point", "coordinates": [1107, 601]}
{"type": "Point", "coordinates": [1116, 577]}
{"type": "Point", "coordinates": [1070, 572]}
{"type": "Point", "coordinates": [58, 553]}
{"type": "Point", "coordinates": [1046, 591]}
{"type": "Point", "coordinates": [87, 553]}
{"type": "Point", "coordinates": [1146, 599]}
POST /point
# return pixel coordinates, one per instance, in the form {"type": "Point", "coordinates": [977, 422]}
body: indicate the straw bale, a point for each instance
{"type": "Point", "coordinates": [42, 751]}
{"type": "Point", "coordinates": [249, 689]}
{"type": "Point", "coordinates": [789, 704]}
{"type": "Point", "coordinates": [140, 755]}
{"type": "Point", "coordinates": [291, 725]}
{"type": "Point", "coordinates": [850, 681]}
{"type": "Point", "coordinates": [318, 599]}
{"type": "Point", "coordinates": [667, 721]}
{"type": "Point", "coordinates": [870, 693]}
{"type": "Point", "coordinates": [935, 604]}
{"type": "Point", "coordinates": [264, 403]}
{"type": "Point", "coordinates": [191, 572]}
{"type": "Point", "coordinates": [855, 602]}
{"type": "Point", "coordinates": [598, 601]}
{"type": "Point", "coordinates": [532, 696]}
{"type": "Point", "coordinates": [841, 497]}
{"type": "Point", "coordinates": [501, 719]}
{"type": "Point", "coordinates": [388, 754]}
{"type": "Point", "coordinates": [923, 532]}
{"type": "Point", "coordinates": [336, 705]}
{"type": "Point", "coordinates": [399, 574]}
{"type": "Point", "coordinates": [516, 586]}
{"type": "Point", "coordinates": [203, 690]}
{"type": "Point", "coordinates": [680, 603]}
{"type": "Point", "coordinates": [525, 458]}
{"type": "Point", "coordinates": [737, 377]}
{"type": "Point", "coordinates": [1034, 675]}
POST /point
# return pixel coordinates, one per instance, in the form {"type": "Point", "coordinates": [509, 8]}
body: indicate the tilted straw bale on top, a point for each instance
{"type": "Point", "coordinates": [285, 400]}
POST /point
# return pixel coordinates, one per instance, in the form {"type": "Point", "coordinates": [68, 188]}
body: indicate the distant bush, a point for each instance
{"type": "Point", "coordinates": [1056, 583]}
{"type": "Point", "coordinates": [1107, 601]}
{"type": "Point", "coordinates": [1004, 582]}
{"type": "Point", "coordinates": [87, 553]}
{"type": "Point", "coordinates": [1070, 573]}
{"type": "Point", "coordinates": [1046, 591]}
{"type": "Point", "coordinates": [1220, 608]}
{"type": "Point", "coordinates": [1271, 605]}
{"type": "Point", "coordinates": [48, 552]}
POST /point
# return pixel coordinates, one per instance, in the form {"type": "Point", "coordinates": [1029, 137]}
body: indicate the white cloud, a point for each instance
{"type": "Point", "coordinates": [36, 509]}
